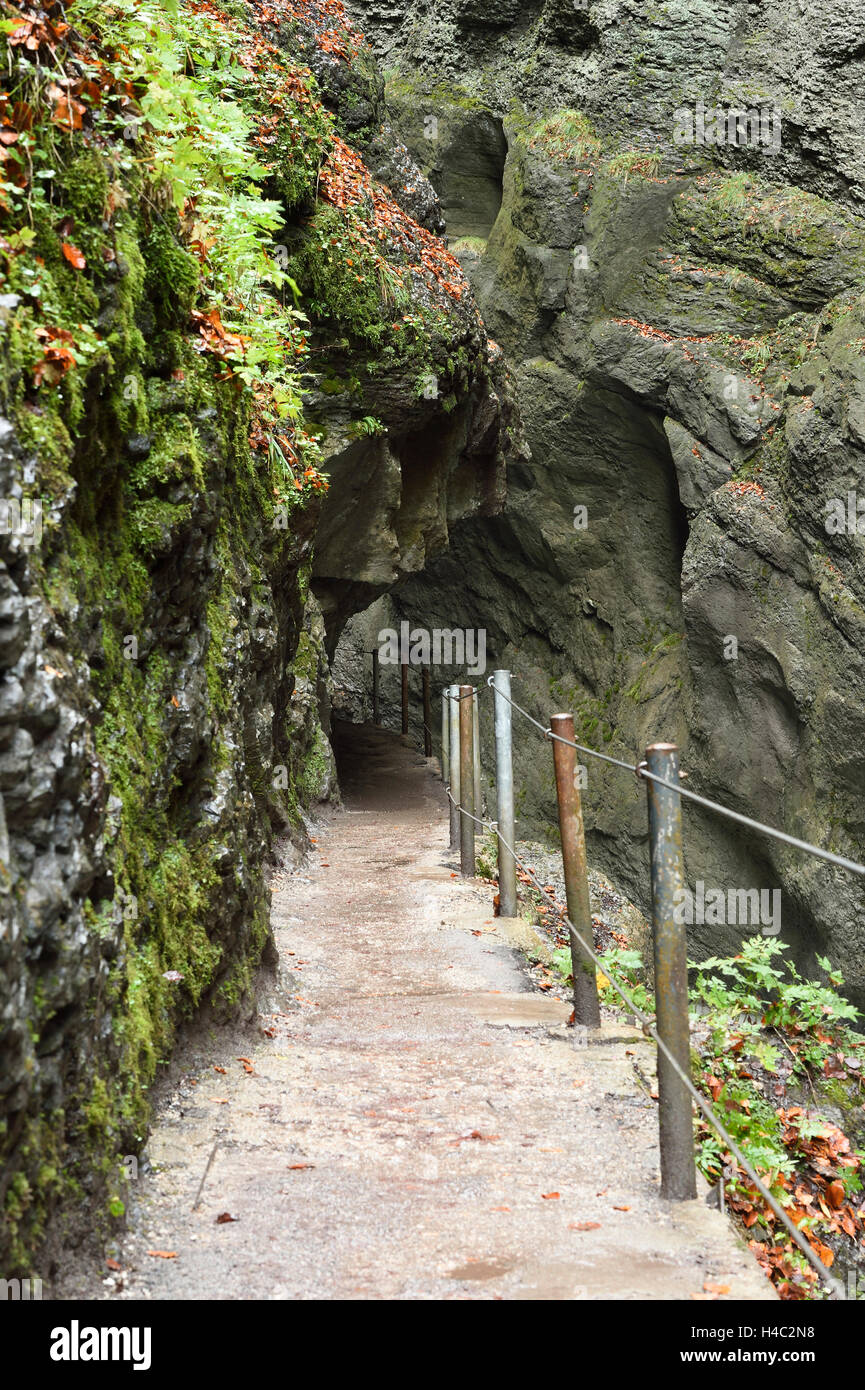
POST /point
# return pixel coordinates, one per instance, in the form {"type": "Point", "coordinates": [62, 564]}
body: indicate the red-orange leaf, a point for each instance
{"type": "Point", "coordinates": [75, 257]}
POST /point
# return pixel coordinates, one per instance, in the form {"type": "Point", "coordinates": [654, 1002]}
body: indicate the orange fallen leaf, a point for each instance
{"type": "Point", "coordinates": [826, 1255]}
{"type": "Point", "coordinates": [296, 1167]}
{"type": "Point", "coordinates": [247, 1065]}
{"type": "Point", "coordinates": [224, 1217]}
{"type": "Point", "coordinates": [550, 1196]}
{"type": "Point", "coordinates": [719, 1289]}
{"type": "Point", "coordinates": [163, 1254]}
{"type": "Point", "coordinates": [75, 257]}
{"type": "Point", "coordinates": [220, 1069]}
{"type": "Point", "coordinates": [584, 1225]}
{"type": "Point", "coordinates": [835, 1194]}
{"type": "Point", "coordinates": [621, 1208]}
{"type": "Point", "coordinates": [112, 1264]}
{"type": "Point", "coordinates": [499, 1208]}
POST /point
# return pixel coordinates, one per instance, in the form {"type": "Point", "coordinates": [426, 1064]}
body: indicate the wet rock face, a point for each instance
{"type": "Point", "coordinates": [92, 839]}
{"type": "Point", "coordinates": [685, 326]}
{"type": "Point", "coordinates": [164, 686]}
{"type": "Point", "coordinates": [394, 499]}
{"type": "Point", "coordinates": [630, 66]}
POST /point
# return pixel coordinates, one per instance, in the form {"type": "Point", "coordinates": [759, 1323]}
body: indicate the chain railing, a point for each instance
{"type": "Point", "coordinates": [671, 1032]}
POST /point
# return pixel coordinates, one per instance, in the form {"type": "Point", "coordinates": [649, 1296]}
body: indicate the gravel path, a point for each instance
{"type": "Point", "coordinates": [413, 1120]}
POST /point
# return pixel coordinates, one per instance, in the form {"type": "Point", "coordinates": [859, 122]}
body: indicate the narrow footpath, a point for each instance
{"type": "Point", "coordinates": [414, 1120]}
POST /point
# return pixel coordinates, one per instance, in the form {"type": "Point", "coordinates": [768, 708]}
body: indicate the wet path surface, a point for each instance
{"type": "Point", "coordinates": [413, 1120]}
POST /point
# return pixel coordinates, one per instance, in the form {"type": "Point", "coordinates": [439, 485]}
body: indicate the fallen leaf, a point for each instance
{"type": "Point", "coordinates": [835, 1194]}
{"type": "Point", "coordinates": [550, 1196]}
{"type": "Point", "coordinates": [224, 1217]}
{"type": "Point", "coordinates": [221, 1070]}
{"type": "Point", "coordinates": [621, 1208]}
{"type": "Point", "coordinates": [247, 1065]}
{"type": "Point", "coordinates": [584, 1225]}
{"type": "Point", "coordinates": [718, 1289]}
{"type": "Point", "coordinates": [75, 257]}
{"type": "Point", "coordinates": [163, 1254]}
{"type": "Point", "coordinates": [296, 1167]}
{"type": "Point", "coordinates": [112, 1264]}
{"type": "Point", "coordinates": [826, 1255]}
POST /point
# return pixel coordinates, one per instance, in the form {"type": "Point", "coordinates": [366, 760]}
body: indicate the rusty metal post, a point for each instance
{"type": "Point", "coordinates": [467, 784]}
{"type": "Point", "coordinates": [476, 761]}
{"type": "Point", "coordinates": [505, 794]}
{"type": "Point", "coordinates": [404, 697]}
{"type": "Point", "coordinates": [446, 731]}
{"type": "Point", "coordinates": [586, 1008]}
{"type": "Point", "coordinates": [375, 686]}
{"type": "Point", "coordinates": [678, 1179]}
{"type": "Point", "coordinates": [427, 715]}
{"type": "Point", "coordinates": [454, 756]}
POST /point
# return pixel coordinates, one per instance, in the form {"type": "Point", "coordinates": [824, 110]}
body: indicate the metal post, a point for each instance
{"type": "Point", "coordinates": [467, 785]}
{"type": "Point", "coordinates": [454, 725]}
{"type": "Point", "coordinates": [375, 686]}
{"type": "Point", "coordinates": [505, 794]}
{"type": "Point", "coordinates": [427, 715]}
{"type": "Point", "coordinates": [476, 762]}
{"type": "Point", "coordinates": [446, 733]}
{"type": "Point", "coordinates": [678, 1180]}
{"type": "Point", "coordinates": [586, 1009]}
{"type": "Point", "coordinates": [404, 698]}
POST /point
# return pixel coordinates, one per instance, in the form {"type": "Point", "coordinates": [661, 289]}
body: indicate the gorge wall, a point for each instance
{"type": "Point", "coordinates": [209, 520]}
{"type": "Point", "coordinates": [686, 325]}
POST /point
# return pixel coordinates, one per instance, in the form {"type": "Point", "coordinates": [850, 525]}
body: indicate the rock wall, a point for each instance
{"type": "Point", "coordinates": [684, 323]}
{"type": "Point", "coordinates": [164, 685]}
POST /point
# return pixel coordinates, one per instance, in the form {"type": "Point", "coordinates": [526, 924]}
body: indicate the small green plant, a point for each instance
{"type": "Point", "coordinates": [567, 136]}
{"type": "Point", "coordinates": [368, 426]}
{"type": "Point", "coordinates": [628, 164]}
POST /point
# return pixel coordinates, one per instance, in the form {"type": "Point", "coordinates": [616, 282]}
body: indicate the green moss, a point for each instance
{"type": "Point", "coordinates": [172, 276]}
{"type": "Point", "coordinates": [401, 88]}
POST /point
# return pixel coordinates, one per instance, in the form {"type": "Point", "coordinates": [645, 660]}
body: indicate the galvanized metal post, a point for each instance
{"type": "Point", "coordinates": [467, 784]}
{"type": "Point", "coordinates": [476, 762]}
{"type": "Point", "coordinates": [678, 1177]}
{"type": "Point", "coordinates": [586, 1008]}
{"type": "Point", "coordinates": [505, 794]}
{"type": "Point", "coordinates": [427, 715]}
{"type": "Point", "coordinates": [375, 686]}
{"type": "Point", "coordinates": [454, 725]}
{"type": "Point", "coordinates": [404, 697]}
{"type": "Point", "coordinates": [446, 734]}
